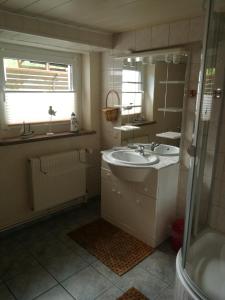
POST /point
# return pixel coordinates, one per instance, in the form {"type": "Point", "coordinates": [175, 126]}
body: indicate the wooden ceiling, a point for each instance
{"type": "Point", "coordinates": [107, 15]}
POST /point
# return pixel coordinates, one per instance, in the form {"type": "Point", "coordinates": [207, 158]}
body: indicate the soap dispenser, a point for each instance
{"type": "Point", "coordinates": [74, 125]}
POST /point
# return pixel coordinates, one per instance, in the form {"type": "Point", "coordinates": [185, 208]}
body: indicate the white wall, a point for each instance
{"type": "Point", "coordinates": [111, 79]}
{"type": "Point", "coordinates": [14, 182]}
{"type": "Point", "coordinates": [161, 36]}
{"type": "Point", "coordinates": [14, 196]}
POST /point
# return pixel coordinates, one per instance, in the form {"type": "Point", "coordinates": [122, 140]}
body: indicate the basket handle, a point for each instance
{"type": "Point", "coordinates": [112, 92]}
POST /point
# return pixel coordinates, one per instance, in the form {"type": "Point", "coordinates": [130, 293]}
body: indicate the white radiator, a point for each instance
{"type": "Point", "coordinates": [57, 178]}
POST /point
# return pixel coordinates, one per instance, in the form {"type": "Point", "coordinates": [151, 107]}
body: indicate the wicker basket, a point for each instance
{"type": "Point", "coordinates": [111, 113]}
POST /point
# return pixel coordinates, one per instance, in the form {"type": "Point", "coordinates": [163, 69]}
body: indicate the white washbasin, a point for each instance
{"type": "Point", "coordinates": [132, 157]}
{"type": "Point", "coordinates": [130, 165]}
{"type": "Point", "coordinates": [166, 150]}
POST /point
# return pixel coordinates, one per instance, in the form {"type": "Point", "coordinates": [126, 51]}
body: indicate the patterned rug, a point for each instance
{"type": "Point", "coordinates": [132, 294]}
{"type": "Point", "coordinates": [115, 248]}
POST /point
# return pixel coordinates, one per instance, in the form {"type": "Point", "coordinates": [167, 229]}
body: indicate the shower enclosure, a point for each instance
{"type": "Point", "coordinates": [201, 261]}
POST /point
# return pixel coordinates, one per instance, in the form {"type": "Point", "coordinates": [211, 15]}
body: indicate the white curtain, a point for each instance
{"type": "Point", "coordinates": [3, 119]}
{"type": "Point", "coordinates": [3, 122]}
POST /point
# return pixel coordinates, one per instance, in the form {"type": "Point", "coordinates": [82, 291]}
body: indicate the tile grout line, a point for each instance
{"type": "Point", "coordinates": [58, 282]}
{"type": "Point", "coordinates": [105, 278]}
{"type": "Point", "coordinates": [36, 297]}
{"type": "Point", "coordinates": [88, 264]}
{"type": "Point", "coordinates": [4, 281]}
{"type": "Point", "coordinates": [10, 291]}
{"type": "Point", "coordinates": [113, 283]}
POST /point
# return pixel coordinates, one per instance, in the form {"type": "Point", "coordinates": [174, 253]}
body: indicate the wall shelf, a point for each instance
{"type": "Point", "coordinates": [172, 82]}
{"type": "Point", "coordinates": [170, 109]}
{"type": "Point", "coordinates": [127, 128]}
{"type": "Point", "coordinates": [172, 135]}
{"type": "Point", "coordinates": [126, 107]}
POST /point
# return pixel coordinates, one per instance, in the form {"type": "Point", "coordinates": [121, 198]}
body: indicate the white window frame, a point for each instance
{"type": "Point", "coordinates": [127, 113]}
{"type": "Point", "coordinates": [39, 54]}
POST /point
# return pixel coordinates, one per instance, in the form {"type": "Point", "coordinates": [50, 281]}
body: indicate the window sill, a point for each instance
{"type": "Point", "coordinates": [41, 123]}
{"type": "Point", "coordinates": [43, 137]}
{"type": "Point", "coordinates": [143, 123]}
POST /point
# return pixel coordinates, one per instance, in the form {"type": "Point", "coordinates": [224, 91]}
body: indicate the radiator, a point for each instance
{"type": "Point", "coordinates": [57, 178]}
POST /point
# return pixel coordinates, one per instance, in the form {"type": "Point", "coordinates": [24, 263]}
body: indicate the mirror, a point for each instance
{"type": "Point", "coordinates": [152, 96]}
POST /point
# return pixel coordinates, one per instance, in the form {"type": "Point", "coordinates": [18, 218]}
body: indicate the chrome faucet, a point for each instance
{"type": "Point", "coordinates": [141, 149]}
{"type": "Point", "coordinates": [153, 146]}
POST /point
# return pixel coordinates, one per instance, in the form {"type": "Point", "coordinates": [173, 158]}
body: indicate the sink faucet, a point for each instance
{"type": "Point", "coordinates": [141, 149]}
{"type": "Point", "coordinates": [153, 146]}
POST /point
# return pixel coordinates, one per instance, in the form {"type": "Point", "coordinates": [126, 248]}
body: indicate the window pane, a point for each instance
{"type": "Point", "coordinates": [131, 76]}
{"type": "Point", "coordinates": [27, 75]}
{"type": "Point", "coordinates": [131, 91]}
{"type": "Point", "coordinates": [131, 87]}
{"type": "Point", "coordinates": [132, 99]}
{"type": "Point", "coordinates": [33, 107]}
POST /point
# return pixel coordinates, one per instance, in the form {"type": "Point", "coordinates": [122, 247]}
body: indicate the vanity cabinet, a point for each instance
{"type": "Point", "coordinates": [144, 209]}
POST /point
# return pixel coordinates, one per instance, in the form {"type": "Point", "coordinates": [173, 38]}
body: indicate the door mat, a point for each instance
{"type": "Point", "coordinates": [115, 248]}
{"type": "Point", "coordinates": [132, 294]}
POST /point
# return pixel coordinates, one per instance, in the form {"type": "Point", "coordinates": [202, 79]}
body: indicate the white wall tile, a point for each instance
{"type": "Point", "coordinates": [143, 39]}
{"type": "Point", "coordinates": [196, 29]}
{"type": "Point", "coordinates": [222, 139]}
{"type": "Point", "coordinates": [13, 21]}
{"type": "Point", "coordinates": [2, 18]}
{"type": "Point", "coordinates": [125, 41]}
{"type": "Point", "coordinates": [33, 25]}
{"type": "Point", "coordinates": [213, 218]}
{"type": "Point", "coordinates": [194, 72]}
{"type": "Point", "coordinates": [160, 36]}
{"type": "Point", "coordinates": [221, 220]}
{"type": "Point", "coordinates": [179, 32]}
{"type": "Point", "coordinates": [196, 54]}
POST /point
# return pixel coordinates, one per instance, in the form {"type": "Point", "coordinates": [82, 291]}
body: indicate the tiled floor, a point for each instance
{"type": "Point", "coordinates": [41, 262]}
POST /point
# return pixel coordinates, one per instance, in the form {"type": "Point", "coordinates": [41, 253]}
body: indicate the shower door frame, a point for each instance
{"type": "Point", "coordinates": [195, 164]}
{"type": "Point", "coordinates": [192, 150]}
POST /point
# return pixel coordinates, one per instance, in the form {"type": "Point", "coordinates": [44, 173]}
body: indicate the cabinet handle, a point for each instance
{"type": "Point", "coordinates": [118, 193]}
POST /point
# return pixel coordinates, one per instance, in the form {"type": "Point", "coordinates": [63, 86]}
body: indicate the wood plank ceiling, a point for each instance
{"type": "Point", "coordinates": [107, 15]}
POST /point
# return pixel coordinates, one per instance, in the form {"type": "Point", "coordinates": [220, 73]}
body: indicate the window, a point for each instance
{"type": "Point", "coordinates": [31, 86]}
{"type": "Point", "coordinates": [132, 94]}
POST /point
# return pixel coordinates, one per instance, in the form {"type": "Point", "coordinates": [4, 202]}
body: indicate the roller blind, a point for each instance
{"type": "Point", "coordinates": [32, 86]}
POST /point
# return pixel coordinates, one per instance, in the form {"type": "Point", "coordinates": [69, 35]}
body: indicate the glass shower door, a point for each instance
{"type": "Point", "coordinates": [203, 251]}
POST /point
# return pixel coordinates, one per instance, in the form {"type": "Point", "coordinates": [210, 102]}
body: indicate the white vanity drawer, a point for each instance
{"type": "Point", "coordinates": [148, 187]}
{"type": "Point", "coordinates": [106, 173]}
{"type": "Point", "coordinates": [104, 164]}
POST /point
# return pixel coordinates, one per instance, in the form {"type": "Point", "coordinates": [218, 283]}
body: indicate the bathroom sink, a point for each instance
{"type": "Point", "coordinates": [129, 164]}
{"type": "Point", "coordinates": [166, 150]}
{"type": "Point", "coordinates": [132, 157]}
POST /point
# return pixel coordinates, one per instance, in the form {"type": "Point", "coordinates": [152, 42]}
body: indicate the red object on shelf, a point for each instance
{"type": "Point", "coordinates": [177, 234]}
{"type": "Point", "coordinates": [192, 93]}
